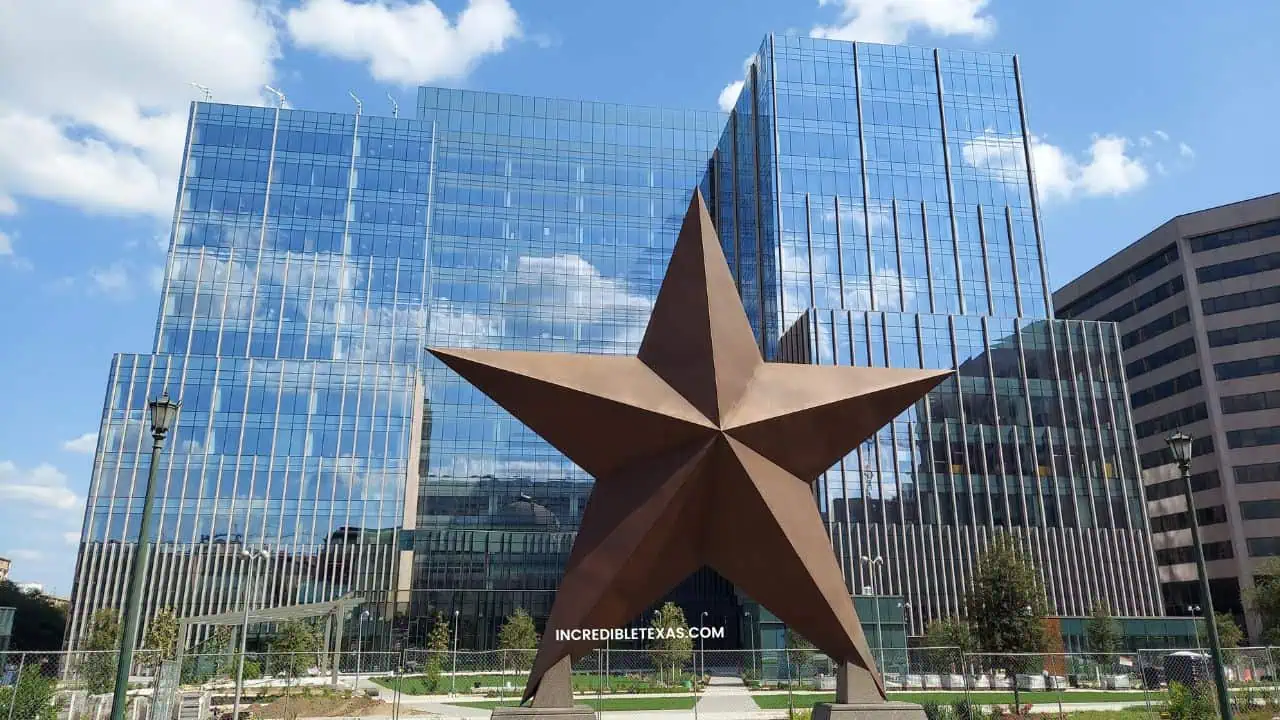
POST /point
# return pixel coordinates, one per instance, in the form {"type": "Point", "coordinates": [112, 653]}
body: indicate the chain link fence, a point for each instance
{"type": "Point", "coordinates": [710, 685]}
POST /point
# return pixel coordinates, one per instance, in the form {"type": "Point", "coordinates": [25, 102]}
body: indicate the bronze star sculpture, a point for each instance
{"type": "Point", "coordinates": [703, 454]}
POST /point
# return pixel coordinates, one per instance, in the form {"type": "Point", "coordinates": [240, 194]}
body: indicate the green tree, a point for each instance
{"type": "Point", "coordinates": [673, 647]}
{"type": "Point", "coordinates": [98, 663]}
{"type": "Point", "coordinates": [1264, 599]}
{"type": "Point", "coordinates": [800, 652]}
{"type": "Point", "coordinates": [518, 639]}
{"type": "Point", "coordinates": [945, 634]}
{"type": "Point", "coordinates": [298, 646]}
{"type": "Point", "coordinates": [1007, 604]}
{"type": "Point", "coordinates": [39, 624]}
{"type": "Point", "coordinates": [438, 650]}
{"type": "Point", "coordinates": [33, 696]}
{"type": "Point", "coordinates": [1103, 634]}
{"type": "Point", "coordinates": [1229, 635]}
{"type": "Point", "coordinates": [162, 634]}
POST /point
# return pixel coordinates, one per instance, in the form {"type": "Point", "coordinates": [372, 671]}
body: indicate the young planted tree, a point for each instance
{"type": "Point", "coordinates": [98, 663]}
{"type": "Point", "coordinates": [1103, 634]}
{"type": "Point", "coordinates": [1229, 636]}
{"type": "Point", "coordinates": [518, 640]}
{"type": "Point", "coordinates": [438, 647]}
{"type": "Point", "coordinates": [1264, 598]}
{"type": "Point", "coordinates": [296, 646]}
{"type": "Point", "coordinates": [948, 639]}
{"type": "Point", "coordinates": [673, 646]}
{"type": "Point", "coordinates": [1007, 604]}
{"type": "Point", "coordinates": [800, 652]}
{"type": "Point", "coordinates": [162, 634]}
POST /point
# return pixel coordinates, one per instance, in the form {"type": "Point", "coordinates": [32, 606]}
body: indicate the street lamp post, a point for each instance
{"type": "Point", "coordinates": [1195, 625]}
{"type": "Point", "coordinates": [163, 413]}
{"type": "Point", "coordinates": [364, 615]}
{"type": "Point", "coordinates": [702, 643]}
{"type": "Point", "coordinates": [876, 564]}
{"type": "Point", "coordinates": [453, 678]}
{"type": "Point", "coordinates": [251, 559]}
{"type": "Point", "coordinates": [751, 640]}
{"type": "Point", "coordinates": [1180, 445]}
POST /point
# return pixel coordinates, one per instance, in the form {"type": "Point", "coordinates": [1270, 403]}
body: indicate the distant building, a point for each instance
{"type": "Point", "coordinates": [1197, 301]}
{"type": "Point", "coordinates": [4, 568]}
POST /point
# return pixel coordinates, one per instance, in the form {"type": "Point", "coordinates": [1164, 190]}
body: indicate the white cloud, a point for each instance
{"type": "Point", "coordinates": [404, 42]}
{"type": "Point", "coordinates": [6, 245]}
{"type": "Point", "coordinates": [1162, 135]}
{"type": "Point", "coordinates": [26, 555]}
{"type": "Point", "coordinates": [1144, 141]}
{"type": "Point", "coordinates": [93, 96]}
{"type": "Point", "coordinates": [891, 21]}
{"type": "Point", "coordinates": [71, 538]}
{"type": "Point", "coordinates": [1107, 169]}
{"type": "Point", "coordinates": [43, 485]}
{"type": "Point", "coordinates": [729, 95]}
{"type": "Point", "coordinates": [85, 444]}
{"type": "Point", "coordinates": [110, 280]}
{"type": "Point", "coordinates": [1185, 150]}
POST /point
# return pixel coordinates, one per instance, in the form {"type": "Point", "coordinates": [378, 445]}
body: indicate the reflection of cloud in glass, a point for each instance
{"type": "Point", "coordinates": [885, 282]}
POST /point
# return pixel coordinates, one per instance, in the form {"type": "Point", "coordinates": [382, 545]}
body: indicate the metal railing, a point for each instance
{"type": "Point", "coordinates": [710, 685]}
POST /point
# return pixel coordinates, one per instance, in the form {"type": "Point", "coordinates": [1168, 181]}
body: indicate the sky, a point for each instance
{"type": "Point", "coordinates": [1140, 110]}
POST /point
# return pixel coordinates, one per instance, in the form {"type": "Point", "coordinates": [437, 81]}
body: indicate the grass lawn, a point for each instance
{"type": "Point", "coordinates": [634, 702]}
{"type": "Point", "coordinates": [804, 699]}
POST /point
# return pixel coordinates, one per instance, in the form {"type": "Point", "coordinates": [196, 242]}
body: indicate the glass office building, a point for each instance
{"type": "Point", "coordinates": [874, 205]}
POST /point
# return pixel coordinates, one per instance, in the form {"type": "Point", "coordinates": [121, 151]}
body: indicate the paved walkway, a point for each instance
{"type": "Point", "coordinates": [725, 694]}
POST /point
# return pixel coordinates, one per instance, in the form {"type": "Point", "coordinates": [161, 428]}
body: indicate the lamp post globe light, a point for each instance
{"type": "Point", "coordinates": [364, 615]}
{"type": "Point", "coordinates": [702, 644]}
{"type": "Point", "coordinates": [1180, 446]}
{"type": "Point", "coordinates": [163, 412]}
{"type": "Point", "coordinates": [453, 678]}
{"type": "Point", "coordinates": [251, 559]}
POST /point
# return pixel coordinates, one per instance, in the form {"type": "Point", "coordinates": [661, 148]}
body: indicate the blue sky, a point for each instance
{"type": "Point", "coordinates": [1141, 110]}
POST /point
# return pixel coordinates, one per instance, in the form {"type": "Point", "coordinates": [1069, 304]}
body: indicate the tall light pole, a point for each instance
{"type": "Point", "coordinates": [1195, 625]}
{"type": "Point", "coordinates": [453, 678]}
{"type": "Point", "coordinates": [1180, 446]}
{"type": "Point", "coordinates": [251, 559]}
{"type": "Point", "coordinates": [163, 413]}
{"type": "Point", "coordinates": [751, 639]}
{"type": "Point", "coordinates": [876, 564]}
{"type": "Point", "coordinates": [364, 615]}
{"type": "Point", "coordinates": [702, 642]}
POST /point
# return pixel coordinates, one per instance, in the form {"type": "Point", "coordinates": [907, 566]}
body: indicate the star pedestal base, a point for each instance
{"type": "Point", "coordinates": [858, 698]}
{"type": "Point", "coordinates": [553, 699]}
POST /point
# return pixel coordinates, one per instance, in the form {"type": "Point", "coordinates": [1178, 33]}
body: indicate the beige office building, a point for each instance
{"type": "Point", "coordinates": [1197, 301]}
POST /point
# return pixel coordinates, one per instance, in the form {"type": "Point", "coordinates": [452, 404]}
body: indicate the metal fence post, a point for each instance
{"type": "Point", "coordinates": [13, 696]}
{"type": "Point", "coordinates": [600, 663]}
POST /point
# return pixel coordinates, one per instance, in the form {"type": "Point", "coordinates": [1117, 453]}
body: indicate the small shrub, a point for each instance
{"type": "Point", "coordinates": [801, 714]}
{"type": "Point", "coordinates": [962, 709]}
{"type": "Point", "coordinates": [935, 710]}
{"type": "Point", "coordinates": [1190, 702]}
{"type": "Point", "coordinates": [252, 670]}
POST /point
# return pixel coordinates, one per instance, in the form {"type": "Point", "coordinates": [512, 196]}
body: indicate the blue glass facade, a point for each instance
{"type": "Point", "coordinates": [875, 207]}
{"type": "Point", "coordinates": [292, 324]}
